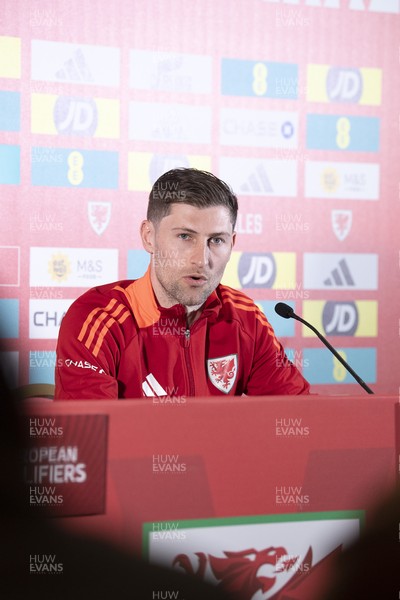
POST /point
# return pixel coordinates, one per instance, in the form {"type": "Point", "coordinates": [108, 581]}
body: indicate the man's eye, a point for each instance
{"type": "Point", "coordinates": [217, 241]}
{"type": "Point", "coordinates": [183, 236]}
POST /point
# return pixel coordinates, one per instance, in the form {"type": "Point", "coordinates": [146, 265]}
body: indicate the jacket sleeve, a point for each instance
{"type": "Point", "coordinates": [81, 373]}
{"type": "Point", "coordinates": [272, 373]}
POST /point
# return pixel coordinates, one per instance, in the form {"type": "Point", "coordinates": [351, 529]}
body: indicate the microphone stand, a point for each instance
{"type": "Point", "coordinates": [287, 312]}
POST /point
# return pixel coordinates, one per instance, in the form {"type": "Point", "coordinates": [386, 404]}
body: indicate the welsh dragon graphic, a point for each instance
{"type": "Point", "coordinates": [237, 573]}
{"type": "Point", "coordinates": [222, 372]}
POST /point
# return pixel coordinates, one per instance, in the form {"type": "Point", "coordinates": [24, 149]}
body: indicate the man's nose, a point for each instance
{"type": "Point", "coordinates": [200, 254]}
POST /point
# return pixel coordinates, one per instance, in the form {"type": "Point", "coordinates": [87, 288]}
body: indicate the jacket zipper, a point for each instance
{"type": "Point", "coordinates": [188, 361]}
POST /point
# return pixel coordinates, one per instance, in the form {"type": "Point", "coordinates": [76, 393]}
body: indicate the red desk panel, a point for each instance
{"type": "Point", "coordinates": [196, 462]}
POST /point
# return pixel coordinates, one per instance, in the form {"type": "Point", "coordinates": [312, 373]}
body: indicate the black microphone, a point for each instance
{"type": "Point", "coordinates": [287, 312]}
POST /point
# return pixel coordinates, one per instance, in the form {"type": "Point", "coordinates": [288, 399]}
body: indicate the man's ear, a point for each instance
{"type": "Point", "coordinates": [233, 238]}
{"type": "Point", "coordinates": [147, 233]}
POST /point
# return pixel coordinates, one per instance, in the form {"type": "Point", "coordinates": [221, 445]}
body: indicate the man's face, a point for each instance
{"type": "Point", "coordinates": [190, 249]}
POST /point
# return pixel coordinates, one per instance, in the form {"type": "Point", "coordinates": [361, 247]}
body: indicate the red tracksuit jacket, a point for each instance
{"type": "Point", "coordinates": [116, 342]}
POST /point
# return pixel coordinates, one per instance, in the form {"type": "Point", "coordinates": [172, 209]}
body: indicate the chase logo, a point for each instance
{"type": "Point", "coordinates": [272, 270]}
{"type": "Point", "coordinates": [258, 128]}
{"type": "Point", "coordinates": [70, 115]}
{"type": "Point", "coordinates": [345, 85]}
{"type": "Point", "coordinates": [45, 317]}
{"type": "Point", "coordinates": [357, 318]}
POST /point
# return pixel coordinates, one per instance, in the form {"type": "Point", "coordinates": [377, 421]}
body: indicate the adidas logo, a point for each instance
{"type": "Point", "coordinates": [151, 388]}
{"type": "Point", "coordinates": [75, 69]}
{"type": "Point", "coordinates": [258, 181]}
{"type": "Point", "coordinates": [340, 275]}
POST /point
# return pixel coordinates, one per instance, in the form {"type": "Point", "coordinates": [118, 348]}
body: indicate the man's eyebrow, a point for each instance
{"type": "Point", "coordinates": [188, 230]}
{"type": "Point", "coordinates": [184, 229]}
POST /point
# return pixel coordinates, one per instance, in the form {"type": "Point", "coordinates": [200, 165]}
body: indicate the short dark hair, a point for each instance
{"type": "Point", "coordinates": [189, 186]}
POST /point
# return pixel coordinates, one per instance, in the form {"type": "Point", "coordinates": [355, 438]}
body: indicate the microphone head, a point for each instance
{"type": "Point", "coordinates": [284, 310]}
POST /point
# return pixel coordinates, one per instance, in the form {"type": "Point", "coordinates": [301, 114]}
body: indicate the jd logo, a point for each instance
{"type": "Point", "coordinates": [344, 85]}
{"type": "Point", "coordinates": [257, 270]}
{"type": "Point", "coordinates": [75, 115]}
{"type": "Point", "coordinates": [340, 318]}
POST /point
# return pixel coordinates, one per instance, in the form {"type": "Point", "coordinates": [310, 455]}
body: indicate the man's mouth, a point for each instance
{"type": "Point", "coordinates": [196, 279]}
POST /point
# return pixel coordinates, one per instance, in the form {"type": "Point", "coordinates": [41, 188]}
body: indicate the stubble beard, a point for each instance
{"type": "Point", "coordinates": [177, 295]}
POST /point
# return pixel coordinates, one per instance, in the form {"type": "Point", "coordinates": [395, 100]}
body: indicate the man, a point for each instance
{"type": "Point", "coordinates": [175, 331]}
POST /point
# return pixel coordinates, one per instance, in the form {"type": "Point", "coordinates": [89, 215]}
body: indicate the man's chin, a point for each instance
{"type": "Point", "coordinates": [194, 300]}
{"type": "Point", "coordinates": [193, 303]}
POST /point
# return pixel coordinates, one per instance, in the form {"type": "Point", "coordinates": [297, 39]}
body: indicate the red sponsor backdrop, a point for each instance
{"type": "Point", "coordinates": [71, 182]}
